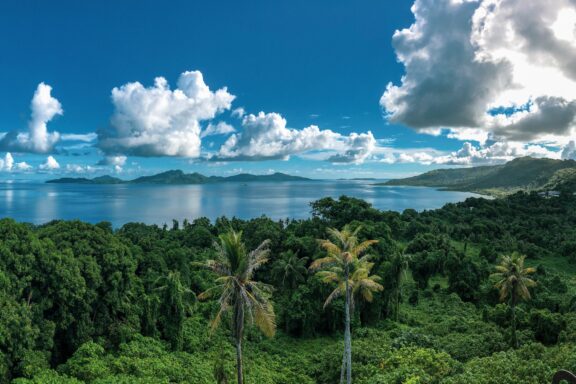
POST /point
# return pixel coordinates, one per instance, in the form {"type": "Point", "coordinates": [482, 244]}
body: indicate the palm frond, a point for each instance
{"type": "Point", "coordinates": [337, 292]}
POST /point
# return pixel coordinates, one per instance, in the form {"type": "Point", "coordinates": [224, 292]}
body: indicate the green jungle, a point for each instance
{"type": "Point", "coordinates": [482, 291]}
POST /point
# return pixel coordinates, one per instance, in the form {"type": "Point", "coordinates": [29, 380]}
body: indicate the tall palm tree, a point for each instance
{"type": "Point", "coordinates": [344, 266]}
{"type": "Point", "coordinates": [513, 282]}
{"type": "Point", "coordinates": [290, 269]}
{"type": "Point", "coordinates": [238, 292]}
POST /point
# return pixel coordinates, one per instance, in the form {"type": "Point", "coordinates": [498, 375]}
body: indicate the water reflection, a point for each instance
{"type": "Point", "coordinates": [119, 204]}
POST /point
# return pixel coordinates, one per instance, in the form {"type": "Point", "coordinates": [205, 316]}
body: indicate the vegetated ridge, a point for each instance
{"type": "Point", "coordinates": [179, 177]}
{"type": "Point", "coordinates": [522, 174]}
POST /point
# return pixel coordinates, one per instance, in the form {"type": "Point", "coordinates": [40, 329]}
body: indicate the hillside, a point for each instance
{"type": "Point", "coordinates": [179, 177]}
{"type": "Point", "coordinates": [526, 173]}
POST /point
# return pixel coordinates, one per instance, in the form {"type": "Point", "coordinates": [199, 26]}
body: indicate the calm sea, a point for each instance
{"type": "Point", "coordinates": [119, 204]}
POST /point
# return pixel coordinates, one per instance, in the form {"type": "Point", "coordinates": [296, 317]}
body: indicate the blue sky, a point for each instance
{"type": "Point", "coordinates": [323, 63]}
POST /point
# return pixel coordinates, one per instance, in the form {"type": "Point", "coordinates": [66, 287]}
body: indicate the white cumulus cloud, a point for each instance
{"type": "Point", "coordinates": [37, 140]}
{"type": "Point", "coordinates": [489, 71]}
{"type": "Point", "coordinates": [117, 162]}
{"type": "Point", "coordinates": [49, 165]}
{"type": "Point", "coordinates": [265, 136]}
{"type": "Point", "coordinates": [221, 128]}
{"type": "Point", "coordinates": [9, 165]}
{"type": "Point", "coordinates": [159, 121]}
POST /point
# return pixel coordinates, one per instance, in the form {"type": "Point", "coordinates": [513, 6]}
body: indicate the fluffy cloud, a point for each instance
{"type": "Point", "coordinates": [50, 164]}
{"type": "Point", "coordinates": [359, 148]}
{"type": "Point", "coordinates": [8, 164]}
{"type": "Point", "coordinates": [158, 121]}
{"type": "Point", "coordinates": [265, 136]}
{"type": "Point", "coordinates": [37, 140]}
{"type": "Point", "coordinates": [469, 154]}
{"type": "Point", "coordinates": [496, 153]}
{"type": "Point", "coordinates": [83, 137]}
{"type": "Point", "coordinates": [444, 86]}
{"type": "Point", "coordinates": [221, 128]}
{"type": "Point", "coordinates": [502, 70]}
{"type": "Point", "coordinates": [569, 151]}
{"type": "Point", "coordinates": [79, 169]}
{"type": "Point", "coordinates": [117, 162]}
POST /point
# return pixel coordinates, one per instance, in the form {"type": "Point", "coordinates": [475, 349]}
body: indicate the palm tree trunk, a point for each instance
{"type": "Point", "coordinates": [514, 337]}
{"type": "Point", "coordinates": [239, 334]}
{"type": "Point", "coordinates": [343, 368]}
{"type": "Point", "coordinates": [347, 335]}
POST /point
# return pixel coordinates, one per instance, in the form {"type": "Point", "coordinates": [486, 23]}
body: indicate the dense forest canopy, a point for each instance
{"type": "Point", "coordinates": [89, 303]}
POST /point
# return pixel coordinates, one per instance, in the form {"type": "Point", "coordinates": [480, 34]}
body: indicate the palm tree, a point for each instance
{"type": "Point", "coordinates": [351, 273]}
{"type": "Point", "coordinates": [290, 269]}
{"type": "Point", "coordinates": [238, 292]}
{"type": "Point", "coordinates": [513, 282]}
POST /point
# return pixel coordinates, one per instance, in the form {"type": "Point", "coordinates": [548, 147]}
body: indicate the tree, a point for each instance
{"type": "Point", "coordinates": [237, 291]}
{"type": "Point", "coordinates": [351, 273]}
{"type": "Point", "coordinates": [513, 282]}
{"type": "Point", "coordinates": [396, 269]}
{"type": "Point", "coordinates": [175, 300]}
{"type": "Point", "coordinates": [290, 269]}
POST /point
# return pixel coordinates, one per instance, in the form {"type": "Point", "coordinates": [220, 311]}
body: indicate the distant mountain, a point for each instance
{"type": "Point", "coordinates": [179, 177]}
{"type": "Point", "coordinates": [247, 177]}
{"type": "Point", "coordinates": [82, 180]}
{"type": "Point", "coordinates": [526, 173]}
{"type": "Point", "coordinates": [171, 177]}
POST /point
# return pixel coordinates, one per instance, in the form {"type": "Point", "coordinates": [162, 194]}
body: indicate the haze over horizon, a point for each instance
{"type": "Point", "coordinates": [327, 89]}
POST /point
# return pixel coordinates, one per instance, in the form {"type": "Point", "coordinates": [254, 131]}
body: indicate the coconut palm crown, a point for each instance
{"type": "Point", "coordinates": [345, 266]}
{"type": "Point", "coordinates": [237, 290]}
{"type": "Point", "coordinates": [513, 283]}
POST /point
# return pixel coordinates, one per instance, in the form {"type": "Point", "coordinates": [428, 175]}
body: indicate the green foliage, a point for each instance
{"type": "Point", "coordinates": [82, 303]}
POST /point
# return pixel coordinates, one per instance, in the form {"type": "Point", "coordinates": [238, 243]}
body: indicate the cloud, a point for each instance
{"type": "Point", "coordinates": [9, 165]}
{"type": "Point", "coordinates": [50, 164]}
{"type": "Point", "coordinates": [469, 154]}
{"type": "Point", "coordinates": [158, 121]}
{"type": "Point", "coordinates": [117, 162]}
{"type": "Point", "coordinates": [360, 147]}
{"type": "Point", "coordinates": [221, 128]}
{"type": "Point", "coordinates": [569, 151]}
{"type": "Point", "coordinates": [444, 86]}
{"type": "Point", "coordinates": [496, 153]}
{"type": "Point", "coordinates": [549, 117]}
{"type": "Point", "coordinates": [8, 161]}
{"type": "Point", "coordinates": [37, 140]}
{"type": "Point", "coordinates": [83, 137]}
{"type": "Point", "coordinates": [80, 169]}
{"type": "Point", "coordinates": [266, 137]}
{"type": "Point", "coordinates": [238, 112]}
{"type": "Point", "coordinates": [502, 70]}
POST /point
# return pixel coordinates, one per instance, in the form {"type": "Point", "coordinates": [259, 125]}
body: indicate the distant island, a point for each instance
{"type": "Point", "coordinates": [522, 174]}
{"type": "Point", "coordinates": [179, 177]}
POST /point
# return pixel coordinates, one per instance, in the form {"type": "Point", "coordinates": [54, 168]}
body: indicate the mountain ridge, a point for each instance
{"type": "Point", "coordinates": [173, 177]}
{"type": "Point", "coordinates": [521, 174]}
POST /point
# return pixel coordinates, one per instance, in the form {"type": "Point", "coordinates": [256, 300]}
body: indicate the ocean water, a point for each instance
{"type": "Point", "coordinates": [159, 204]}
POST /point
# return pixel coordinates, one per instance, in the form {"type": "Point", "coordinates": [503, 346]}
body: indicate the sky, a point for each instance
{"type": "Point", "coordinates": [324, 89]}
